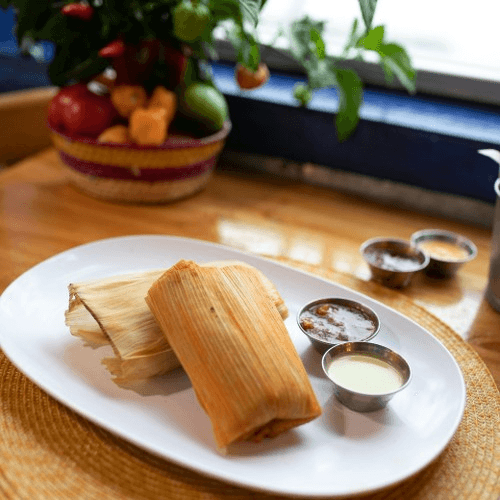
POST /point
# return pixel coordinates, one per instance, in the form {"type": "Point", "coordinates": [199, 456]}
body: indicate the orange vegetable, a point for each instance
{"type": "Point", "coordinates": [148, 126]}
{"type": "Point", "coordinates": [116, 134]}
{"type": "Point", "coordinates": [248, 79]}
{"type": "Point", "coordinates": [166, 99]}
{"type": "Point", "coordinates": [128, 98]}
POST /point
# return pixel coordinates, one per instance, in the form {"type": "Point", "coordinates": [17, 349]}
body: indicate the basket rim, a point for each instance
{"type": "Point", "coordinates": [172, 142]}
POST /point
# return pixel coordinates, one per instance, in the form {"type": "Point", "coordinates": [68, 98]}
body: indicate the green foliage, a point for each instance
{"type": "Point", "coordinates": [307, 46]}
{"type": "Point", "coordinates": [367, 11]}
{"type": "Point", "coordinates": [78, 43]}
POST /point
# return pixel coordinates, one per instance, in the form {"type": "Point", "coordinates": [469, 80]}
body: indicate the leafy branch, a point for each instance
{"type": "Point", "coordinates": [307, 46]}
{"type": "Point", "coordinates": [78, 44]}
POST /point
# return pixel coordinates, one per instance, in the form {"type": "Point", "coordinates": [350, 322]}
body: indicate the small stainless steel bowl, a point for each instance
{"type": "Point", "coordinates": [393, 262]}
{"type": "Point", "coordinates": [359, 401]}
{"type": "Point", "coordinates": [441, 264]}
{"type": "Point", "coordinates": [353, 314]}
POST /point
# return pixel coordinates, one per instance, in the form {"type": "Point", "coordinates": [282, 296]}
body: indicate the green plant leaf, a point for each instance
{"type": "Point", "coordinates": [29, 13]}
{"type": "Point", "coordinates": [250, 10]}
{"type": "Point", "coordinates": [353, 36]}
{"type": "Point", "coordinates": [306, 39]}
{"type": "Point", "coordinates": [220, 10]}
{"type": "Point", "coordinates": [350, 92]}
{"type": "Point", "coordinates": [373, 39]}
{"type": "Point", "coordinates": [318, 42]}
{"type": "Point", "coordinates": [321, 74]}
{"type": "Point", "coordinates": [395, 61]}
{"type": "Point", "coordinates": [368, 11]}
{"type": "Point", "coordinates": [246, 47]}
{"type": "Point", "coordinates": [55, 29]}
{"type": "Point", "coordinates": [393, 57]}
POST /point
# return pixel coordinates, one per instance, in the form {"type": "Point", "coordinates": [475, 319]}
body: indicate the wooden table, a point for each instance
{"type": "Point", "coordinates": [42, 214]}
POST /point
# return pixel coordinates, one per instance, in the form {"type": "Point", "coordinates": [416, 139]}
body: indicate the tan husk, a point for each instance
{"type": "Point", "coordinates": [113, 311]}
{"type": "Point", "coordinates": [236, 350]}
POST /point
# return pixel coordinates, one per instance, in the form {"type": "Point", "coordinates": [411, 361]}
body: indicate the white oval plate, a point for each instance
{"type": "Point", "coordinates": [340, 453]}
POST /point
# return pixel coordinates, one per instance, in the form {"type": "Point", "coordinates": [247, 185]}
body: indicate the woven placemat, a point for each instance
{"type": "Point", "coordinates": [48, 451]}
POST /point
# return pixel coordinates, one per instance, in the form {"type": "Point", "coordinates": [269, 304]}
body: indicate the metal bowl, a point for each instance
{"type": "Point", "coordinates": [366, 401]}
{"type": "Point", "coordinates": [393, 262]}
{"type": "Point", "coordinates": [451, 251]}
{"type": "Point", "coordinates": [354, 321]}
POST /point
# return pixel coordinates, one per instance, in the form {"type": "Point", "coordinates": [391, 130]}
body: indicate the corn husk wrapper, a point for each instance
{"type": "Point", "coordinates": [236, 350]}
{"type": "Point", "coordinates": [112, 311]}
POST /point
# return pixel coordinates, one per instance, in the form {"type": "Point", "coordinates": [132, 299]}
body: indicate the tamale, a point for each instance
{"type": "Point", "coordinates": [82, 323]}
{"type": "Point", "coordinates": [112, 311]}
{"type": "Point", "coordinates": [236, 350]}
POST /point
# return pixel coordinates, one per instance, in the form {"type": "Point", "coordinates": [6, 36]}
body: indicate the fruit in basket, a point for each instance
{"type": "Point", "coordinates": [166, 99]}
{"type": "Point", "coordinates": [148, 126]}
{"type": "Point", "coordinates": [117, 134]}
{"type": "Point", "coordinates": [127, 98]}
{"type": "Point", "coordinates": [78, 111]}
{"type": "Point", "coordinates": [205, 105]}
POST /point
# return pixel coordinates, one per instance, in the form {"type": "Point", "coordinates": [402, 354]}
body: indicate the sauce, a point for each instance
{"type": "Point", "coordinates": [444, 250]}
{"type": "Point", "coordinates": [390, 261]}
{"type": "Point", "coordinates": [365, 374]}
{"type": "Point", "coordinates": [336, 323]}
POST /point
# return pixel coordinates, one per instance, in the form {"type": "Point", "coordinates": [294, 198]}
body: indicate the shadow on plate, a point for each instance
{"type": "Point", "coordinates": [86, 363]}
{"type": "Point", "coordinates": [348, 423]}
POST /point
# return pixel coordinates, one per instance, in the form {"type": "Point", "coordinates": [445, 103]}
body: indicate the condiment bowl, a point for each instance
{"type": "Point", "coordinates": [447, 251]}
{"type": "Point", "coordinates": [330, 321]}
{"type": "Point", "coordinates": [347, 388]}
{"type": "Point", "coordinates": [393, 262]}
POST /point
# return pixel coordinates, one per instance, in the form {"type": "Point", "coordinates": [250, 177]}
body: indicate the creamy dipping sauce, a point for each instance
{"type": "Point", "coordinates": [391, 261]}
{"type": "Point", "coordinates": [444, 250]}
{"type": "Point", "coordinates": [365, 374]}
{"type": "Point", "coordinates": [335, 322]}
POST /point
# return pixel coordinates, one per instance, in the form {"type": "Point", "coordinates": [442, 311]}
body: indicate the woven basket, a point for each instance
{"type": "Point", "coordinates": [144, 174]}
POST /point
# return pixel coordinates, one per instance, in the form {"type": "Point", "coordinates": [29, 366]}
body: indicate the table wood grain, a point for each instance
{"type": "Point", "coordinates": [43, 214]}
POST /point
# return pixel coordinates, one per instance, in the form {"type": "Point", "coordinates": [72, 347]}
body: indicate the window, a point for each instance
{"type": "Point", "coordinates": [453, 45]}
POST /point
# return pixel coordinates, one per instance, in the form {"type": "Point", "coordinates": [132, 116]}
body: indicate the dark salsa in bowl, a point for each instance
{"type": "Point", "coordinates": [333, 320]}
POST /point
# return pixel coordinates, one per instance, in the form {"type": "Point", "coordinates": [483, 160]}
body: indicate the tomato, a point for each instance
{"type": "Point", "coordinates": [204, 104]}
{"type": "Point", "coordinates": [78, 111]}
{"type": "Point", "coordinates": [60, 100]}
{"type": "Point", "coordinates": [248, 79]}
{"type": "Point", "coordinates": [190, 20]}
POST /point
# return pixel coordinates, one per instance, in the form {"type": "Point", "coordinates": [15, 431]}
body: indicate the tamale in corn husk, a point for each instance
{"type": "Point", "coordinates": [236, 350]}
{"type": "Point", "coordinates": [113, 311]}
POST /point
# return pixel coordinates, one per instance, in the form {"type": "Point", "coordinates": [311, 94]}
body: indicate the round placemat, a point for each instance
{"type": "Point", "coordinates": [48, 451]}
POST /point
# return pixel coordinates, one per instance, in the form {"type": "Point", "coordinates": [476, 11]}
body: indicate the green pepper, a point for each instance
{"type": "Point", "coordinates": [190, 20]}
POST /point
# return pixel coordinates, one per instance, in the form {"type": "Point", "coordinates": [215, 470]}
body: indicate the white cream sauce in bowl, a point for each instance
{"type": "Point", "coordinates": [364, 375]}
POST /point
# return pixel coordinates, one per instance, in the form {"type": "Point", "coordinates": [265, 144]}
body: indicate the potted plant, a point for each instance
{"type": "Point", "coordinates": [138, 116]}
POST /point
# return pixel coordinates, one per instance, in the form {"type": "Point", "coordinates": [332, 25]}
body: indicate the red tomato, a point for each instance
{"type": "Point", "coordinates": [79, 111]}
{"type": "Point", "coordinates": [62, 99]}
{"type": "Point", "coordinates": [248, 79]}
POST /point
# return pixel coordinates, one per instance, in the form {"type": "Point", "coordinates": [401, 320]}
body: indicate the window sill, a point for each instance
{"type": "Point", "coordinates": [418, 141]}
{"type": "Point", "coordinates": [413, 151]}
